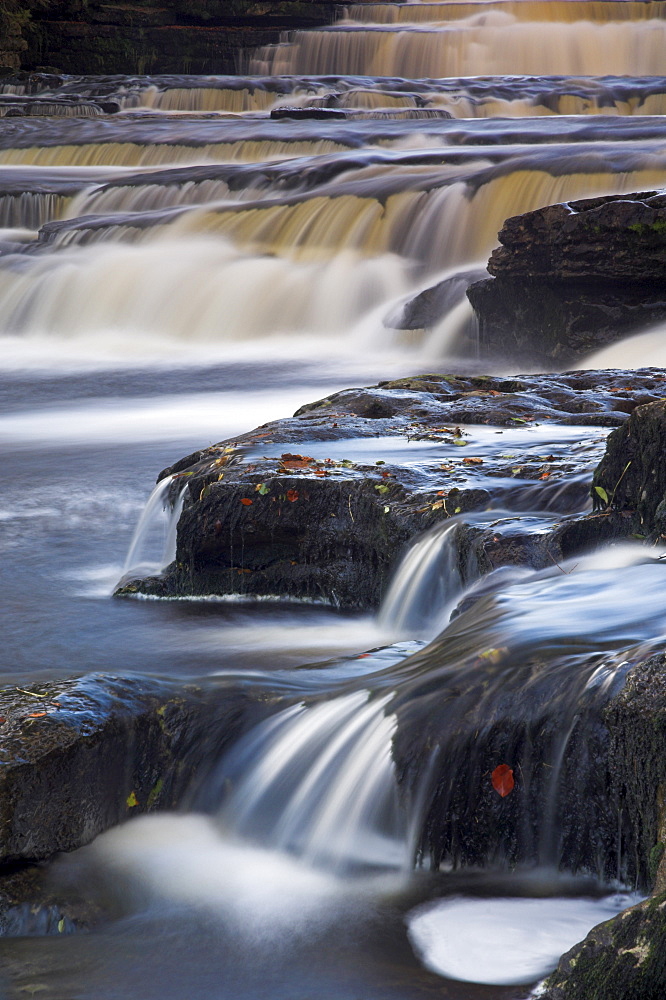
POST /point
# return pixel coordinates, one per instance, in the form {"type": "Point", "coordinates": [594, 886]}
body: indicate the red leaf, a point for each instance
{"type": "Point", "coordinates": [2, 719]}
{"type": "Point", "coordinates": [292, 496]}
{"type": "Point", "coordinates": [502, 779]}
{"type": "Point", "coordinates": [246, 501]}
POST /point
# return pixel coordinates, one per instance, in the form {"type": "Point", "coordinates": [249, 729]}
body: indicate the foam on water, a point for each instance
{"type": "Point", "coordinates": [504, 941]}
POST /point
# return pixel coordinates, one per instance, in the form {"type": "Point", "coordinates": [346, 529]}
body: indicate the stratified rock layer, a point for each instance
{"type": "Point", "coordinates": [77, 757]}
{"type": "Point", "coordinates": [262, 518]}
{"type": "Point", "coordinates": [571, 278]}
{"type": "Point", "coordinates": [159, 36]}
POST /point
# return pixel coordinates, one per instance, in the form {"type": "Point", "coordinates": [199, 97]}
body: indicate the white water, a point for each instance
{"type": "Point", "coordinates": [425, 586]}
{"type": "Point", "coordinates": [319, 782]}
{"type": "Point", "coordinates": [643, 350]}
{"type": "Point", "coordinates": [153, 544]}
{"type": "Point", "coordinates": [504, 940]}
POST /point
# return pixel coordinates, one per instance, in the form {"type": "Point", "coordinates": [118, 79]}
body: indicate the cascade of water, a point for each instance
{"type": "Point", "coordinates": [153, 544]}
{"type": "Point", "coordinates": [425, 586]}
{"type": "Point", "coordinates": [493, 42]}
{"type": "Point", "coordinates": [319, 781]}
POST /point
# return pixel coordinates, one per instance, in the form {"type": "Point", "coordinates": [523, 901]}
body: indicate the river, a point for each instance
{"type": "Point", "coordinates": [190, 267]}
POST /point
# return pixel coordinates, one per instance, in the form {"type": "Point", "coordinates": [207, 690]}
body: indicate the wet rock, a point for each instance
{"type": "Point", "coordinates": [32, 906]}
{"type": "Point", "coordinates": [301, 114]}
{"type": "Point", "coordinates": [621, 959]}
{"type": "Point", "coordinates": [431, 305]}
{"type": "Point", "coordinates": [570, 278]}
{"type": "Point", "coordinates": [631, 477]}
{"type": "Point", "coordinates": [589, 810]}
{"type": "Point", "coordinates": [615, 237]}
{"type": "Point", "coordinates": [79, 756]}
{"type": "Point", "coordinates": [273, 514]}
{"type": "Point", "coordinates": [173, 36]}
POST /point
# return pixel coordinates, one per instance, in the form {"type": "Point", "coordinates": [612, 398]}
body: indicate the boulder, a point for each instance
{"type": "Point", "coordinates": [621, 959]}
{"type": "Point", "coordinates": [570, 278]}
{"type": "Point", "coordinates": [631, 477]}
{"type": "Point", "coordinates": [79, 756]}
{"type": "Point", "coordinates": [263, 516]}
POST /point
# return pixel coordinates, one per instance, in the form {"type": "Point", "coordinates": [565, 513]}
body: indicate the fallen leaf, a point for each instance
{"type": "Point", "coordinates": [131, 801]}
{"type": "Point", "coordinates": [544, 475]}
{"type": "Point", "coordinates": [262, 489]}
{"type": "Point", "coordinates": [502, 779]}
{"type": "Point", "coordinates": [36, 715]}
{"type": "Point", "coordinates": [246, 501]}
{"type": "Point", "coordinates": [472, 461]}
{"type": "Point", "coordinates": [460, 441]}
{"type": "Point", "coordinates": [292, 496]}
{"type": "Point", "coordinates": [290, 461]}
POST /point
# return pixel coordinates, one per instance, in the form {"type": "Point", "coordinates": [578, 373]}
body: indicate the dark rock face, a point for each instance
{"type": "Point", "coordinates": [263, 517]}
{"type": "Point", "coordinates": [631, 477]}
{"type": "Point", "coordinates": [303, 114]}
{"type": "Point", "coordinates": [81, 756]}
{"type": "Point", "coordinates": [596, 813]}
{"type": "Point", "coordinates": [615, 237]}
{"type": "Point", "coordinates": [172, 36]}
{"type": "Point", "coordinates": [571, 278]}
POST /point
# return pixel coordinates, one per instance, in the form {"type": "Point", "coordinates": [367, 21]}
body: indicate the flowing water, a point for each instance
{"type": "Point", "coordinates": [191, 267]}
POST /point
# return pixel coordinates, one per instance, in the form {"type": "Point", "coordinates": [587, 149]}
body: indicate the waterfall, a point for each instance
{"type": "Point", "coordinates": [490, 41]}
{"type": "Point", "coordinates": [153, 544]}
{"type": "Point", "coordinates": [319, 781]}
{"type": "Point", "coordinates": [426, 585]}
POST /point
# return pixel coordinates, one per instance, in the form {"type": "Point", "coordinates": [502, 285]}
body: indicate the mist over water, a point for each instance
{"type": "Point", "coordinates": [190, 268]}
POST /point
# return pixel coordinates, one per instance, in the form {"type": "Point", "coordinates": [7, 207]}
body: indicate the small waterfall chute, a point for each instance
{"type": "Point", "coordinates": [318, 781]}
{"type": "Point", "coordinates": [153, 544]}
{"type": "Point", "coordinates": [426, 584]}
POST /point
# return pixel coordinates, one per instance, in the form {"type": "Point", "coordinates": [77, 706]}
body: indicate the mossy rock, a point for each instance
{"type": "Point", "coordinates": [622, 959]}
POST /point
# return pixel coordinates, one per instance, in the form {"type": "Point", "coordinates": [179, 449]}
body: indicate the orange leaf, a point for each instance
{"type": "Point", "coordinates": [292, 496]}
{"type": "Point", "coordinates": [472, 461]}
{"type": "Point", "coordinates": [2, 719]}
{"type": "Point", "coordinates": [36, 715]}
{"type": "Point", "coordinates": [246, 501]}
{"type": "Point", "coordinates": [544, 475]}
{"type": "Point", "coordinates": [502, 779]}
{"type": "Point", "coordinates": [290, 461]}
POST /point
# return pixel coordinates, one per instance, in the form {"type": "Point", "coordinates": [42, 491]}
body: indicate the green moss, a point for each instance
{"type": "Point", "coordinates": [655, 856]}
{"type": "Point", "coordinates": [155, 793]}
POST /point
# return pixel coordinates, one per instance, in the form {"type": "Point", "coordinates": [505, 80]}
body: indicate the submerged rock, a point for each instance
{"type": "Point", "coordinates": [570, 278]}
{"type": "Point", "coordinates": [280, 512]}
{"type": "Point", "coordinates": [430, 306]}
